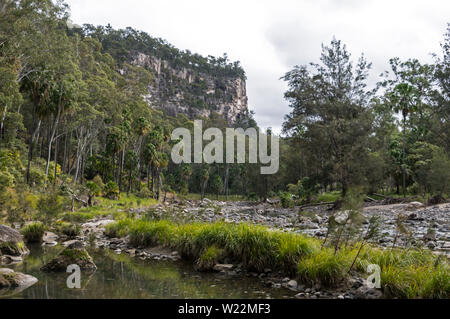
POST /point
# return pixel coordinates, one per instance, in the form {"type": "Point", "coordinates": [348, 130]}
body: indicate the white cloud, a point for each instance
{"type": "Point", "coordinates": [270, 37]}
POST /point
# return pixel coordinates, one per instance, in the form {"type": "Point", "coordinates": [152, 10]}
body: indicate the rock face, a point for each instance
{"type": "Point", "coordinates": [191, 92]}
{"type": "Point", "coordinates": [11, 242]}
{"type": "Point", "coordinates": [14, 281]}
{"type": "Point", "coordinates": [74, 254]}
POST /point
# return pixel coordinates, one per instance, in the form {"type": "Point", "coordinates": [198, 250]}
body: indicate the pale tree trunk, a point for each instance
{"type": "Point", "coordinates": [30, 149]}
{"type": "Point", "coordinates": [1, 124]}
{"type": "Point", "coordinates": [56, 158]}
{"type": "Point", "coordinates": [50, 142]}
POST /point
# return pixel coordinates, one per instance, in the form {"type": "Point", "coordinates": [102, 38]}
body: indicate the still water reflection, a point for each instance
{"type": "Point", "coordinates": [121, 276]}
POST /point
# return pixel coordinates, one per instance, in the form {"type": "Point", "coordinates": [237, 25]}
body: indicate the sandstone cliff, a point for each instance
{"type": "Point", "coordinates": [192, 92]}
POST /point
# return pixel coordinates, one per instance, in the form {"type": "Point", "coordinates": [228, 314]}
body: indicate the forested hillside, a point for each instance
{"type": "Point", "coordinates": [86, 111]}
{"type": "Point", "coordinates": [86, 118]}
{"type": "Point", "coordinates": [76, 97]}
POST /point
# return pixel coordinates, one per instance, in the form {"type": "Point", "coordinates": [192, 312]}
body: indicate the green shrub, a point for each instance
{"type": "Point", "coordinates": [33, 232]}
{"type": "Point", "coordinates": [144, 193]}
{"type": "Point", "coordinates": [111, 190]}
{"type": "Point", "coordinates": [252, 197]}
{"type": "Point", "coordinates": [68, 229]}
{"type": "Point", "coordinates": [78, 217]}
{"type": "Point", "coordinates": [286, 200]}
{"type": "Point", "coordinates": [49, 207]}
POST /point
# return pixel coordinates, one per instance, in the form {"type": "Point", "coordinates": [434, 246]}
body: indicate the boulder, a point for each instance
{"type": "Point", "coordinates": [6, 259]}
{"type": "Point", "coordinates": [292, 284]}
{"type": "Point", "coordinates": [70, 256]}
{"type": "Point", "coordinates": [223, 267]}
{"type": "Point", "coordinates": [9, 279]}
{"type": "Point", "coordinates": [11, 242]}
{"type": "Point", "coordinates": [73, 244]}
{"type": "Point", "coordinates": [341, 217]}
{"type": "Point", "coordinates": [414, 205]}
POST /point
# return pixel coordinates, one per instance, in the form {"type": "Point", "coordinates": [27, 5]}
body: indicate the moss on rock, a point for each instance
{"type": "Point", "coordinates": [70, 256]}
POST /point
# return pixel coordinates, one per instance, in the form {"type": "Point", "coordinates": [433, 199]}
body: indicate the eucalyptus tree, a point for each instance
{"type": "Point", "coordinates": [65, 91]}
{"type": "Point", "coordinates": [37, 49]}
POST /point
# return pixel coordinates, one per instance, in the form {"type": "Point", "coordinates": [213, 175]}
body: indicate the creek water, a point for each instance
{"type": "Point", "coordinates": [122, 276]}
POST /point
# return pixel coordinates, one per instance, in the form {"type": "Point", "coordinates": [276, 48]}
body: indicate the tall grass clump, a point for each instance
{"type": "Point", "coordinates": [210, 256]}
{"type": "Point", "coordinates": [325, 267]}
{"type": "Point", "coordinates": [404, 273]}
{"type": "Point", "coordinates": [33, 233]}
{"type": "Point", "coordinates": [412, 273]}
{"type": "Point", "coordinates": [119, 228]}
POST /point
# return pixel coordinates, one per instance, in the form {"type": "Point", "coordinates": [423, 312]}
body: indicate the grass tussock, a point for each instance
{"type": "Point", "coordinates": [404, 273]}
{"type": "Point", "coordinates": [210, 256]}
{"type": "Point", "coordinates": [32, 233]}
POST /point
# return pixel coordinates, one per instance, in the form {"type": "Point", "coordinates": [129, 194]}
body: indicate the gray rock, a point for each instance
{"type": "Point", "coordinates": [292, 284]}
{"type": "Point", "coordinates": [70, 256]}
{"type": "Point", "coordinates": [276, 285]}
{"type": "Point", "coordinates": [14, 282]}
{"type": "Point", "coordinates": [11, 242]}
{"type": "Point", "coordinates": [73, 244]}
{"type": "Point", "coordinates": [50, 243]}
{"type": "Point", "coordinates": [223, 267]}
{"type": "Point", "coordinates": [365, 292]}
{"type": "Point", "coordinates": [6, 259]}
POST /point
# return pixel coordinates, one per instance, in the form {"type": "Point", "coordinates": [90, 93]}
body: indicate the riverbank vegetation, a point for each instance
{"type": "Point", "coordinates": [410, 273]}
{"type": "Point", "coordinates": [78, 141]}
{"type": "Point", "coordinates": [74, 120]}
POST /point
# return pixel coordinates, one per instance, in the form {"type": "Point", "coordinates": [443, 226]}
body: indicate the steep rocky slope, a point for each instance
{"type": "Point", "coordinates": [192, 92]}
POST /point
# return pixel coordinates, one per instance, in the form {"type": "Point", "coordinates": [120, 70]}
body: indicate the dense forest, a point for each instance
{"type": "Point", "coordinates": [85, 162]}
{"type": "Point", "coordinates": [74, 121]}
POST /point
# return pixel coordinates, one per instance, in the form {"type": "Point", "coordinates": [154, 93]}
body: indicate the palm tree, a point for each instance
{"type": "Point", "coordinates": [401, 98]}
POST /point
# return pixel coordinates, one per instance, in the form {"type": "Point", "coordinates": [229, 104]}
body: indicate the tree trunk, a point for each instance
{"type": "Point", "coordinates": [129, 179]}
{"type": "Point", "coordinates": [157, 183]}
{"type": "Point", "coordinates": [148, 177]}
{"type": "Point", "coordinates": [63, 168]}
{"type": "Point", "coordinates": [56, 158]}
{"type": "Point", "coordinates": [227, 175]}
{"type": "Point", "coordinates": [30, 149]}
{"type": "Point", "coordinates": [404, 157]}
{"type": "Point", "coordinates": [52, 136]}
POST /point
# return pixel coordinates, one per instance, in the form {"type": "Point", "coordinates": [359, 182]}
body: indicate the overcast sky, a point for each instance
{"type": "Point", "coordinates": [270, 37]}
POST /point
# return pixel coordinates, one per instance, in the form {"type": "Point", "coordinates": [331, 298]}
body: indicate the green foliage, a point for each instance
{"type": "Point", "coordinates": [33, 232]}
{"type": "Point", "coordinates": [258, 248]}
{"type": "Point", "coordinates": [111, 190]}
{"type": "Point", "coordinates": [325, 268]}
{"type": "Point", "coordinates": [286, 200]}
{"type": "Point", "coordinates": [49, 206]}
{"type": "Point", "coordinates": [211, 256]}
{"type": "Point", "coordinates": [68, 229]}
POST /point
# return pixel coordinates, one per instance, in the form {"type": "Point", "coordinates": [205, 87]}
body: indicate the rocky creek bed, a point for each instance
{"type": "Point", "coordinates": [429, 227]}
